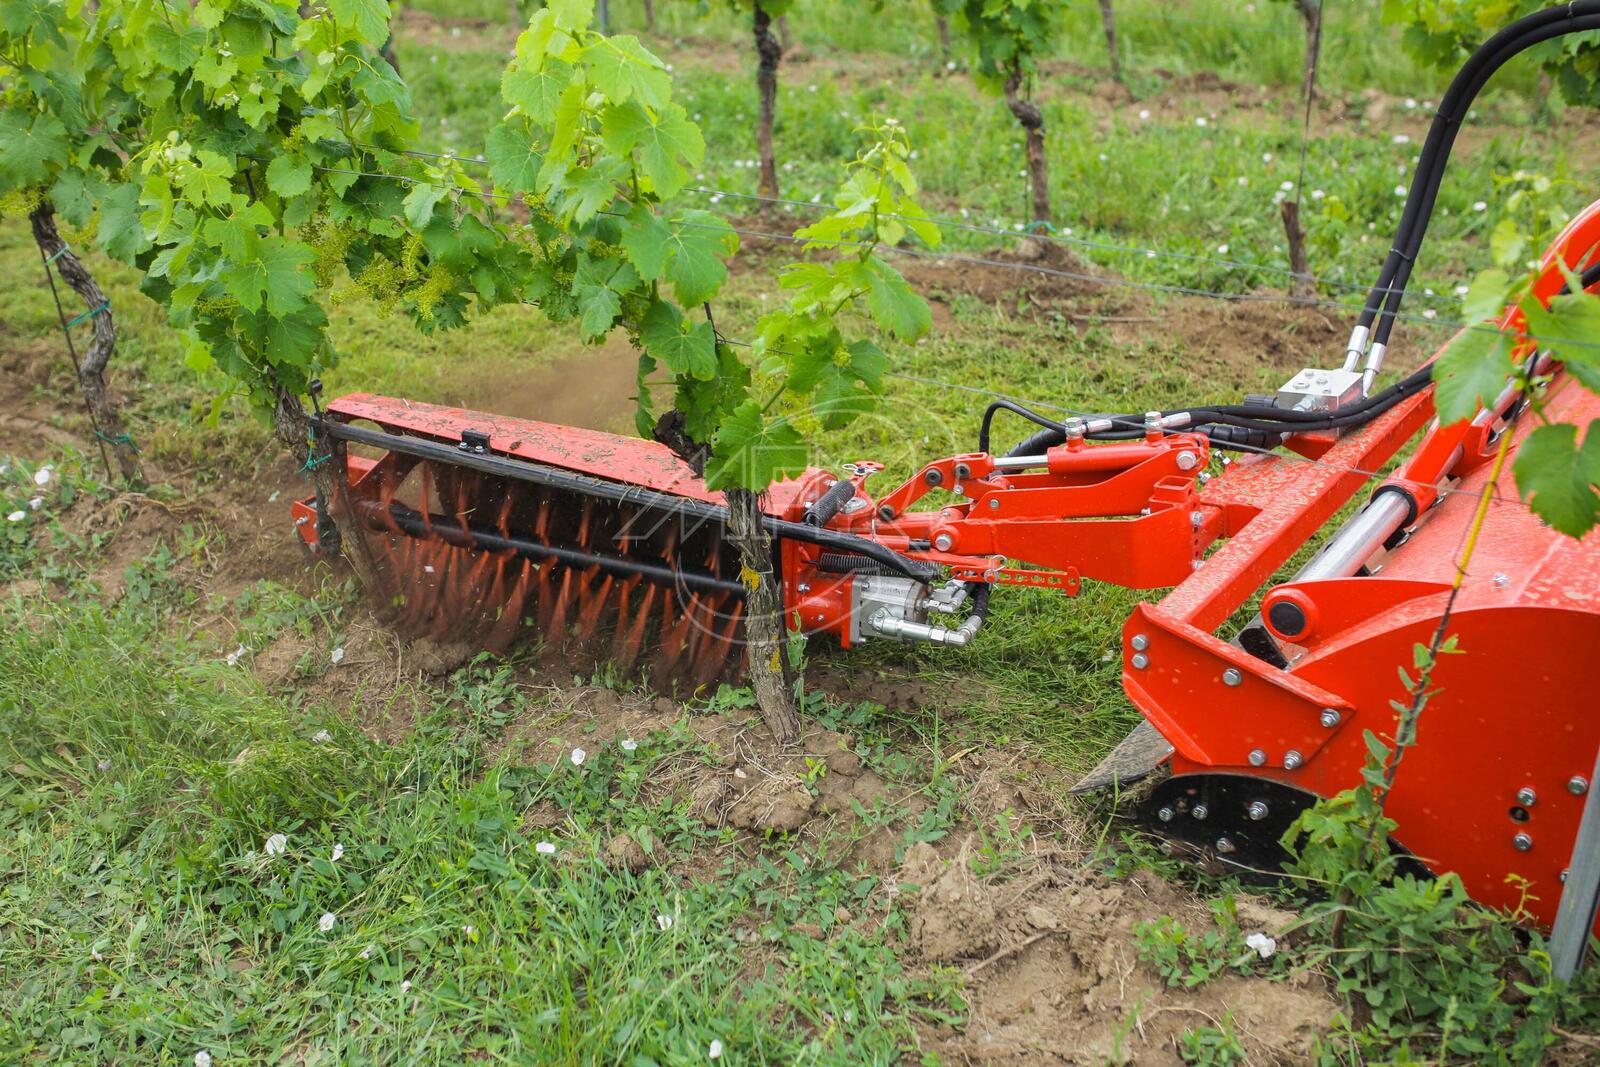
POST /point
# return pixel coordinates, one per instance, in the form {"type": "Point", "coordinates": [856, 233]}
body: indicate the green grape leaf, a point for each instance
{"type": "Point", "coordinates": [1470, 372]}
{"type": "Point", "coordinates": [751, 451]}
{"type": "Point", "coordinates": [421, 200]}
{"type": "Point", "coordinates": [291, 339]}
{"type": "Point", "coordinates": [289, 175]}
{"type": "Point", "coordinates": [514, 159]}
{"type": "Point", "coordinates": [537, 90]}
{"type": "Point", "coordinates": [174, 48]}
{"type": "Point", "coordinates": [572, 15]}
{"type": "Point", "coordinates": [1486, 297]}
{"type": "Point", "coordinates": [647, 241]}
{"type": "Point", "coordinates": [683, 348]}
{"type": "Point", "coordinates": [121, 233]}
{"type": "Point", "coordinates": [369, 18]}
{"type": "Point", "coordinates": [278, 276]}
{"type": "Point", "coordinates": [28, 148]}
{"type": "Point", "coordinates": [623, 69]}
{"type": "Point", "coordinates": [75, 195]}
{"type": "Point", "coordinates": [1560, 478]}
{"type": "Point", "coordinates": [662, 138]}
{"type": "Point", "coordinates": [209, 180]}
{"type": "Point", "coordinates": [586, 191]}
{"type": "Point", "coordinates": [894, 304]}
{"type": "Point", "coordinates": [214, 70]}
{"type": "Point", "coordinates": [1569, 328]}
{"type": "Point", "coordinates": [598, 286]}
{"type": "Point", "coordinates": [20, 18]}
{"type": "Point", "coordinates": [699, 240]}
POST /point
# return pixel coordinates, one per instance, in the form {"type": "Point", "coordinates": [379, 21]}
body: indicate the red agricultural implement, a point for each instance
{"type": "Point", "coordinates": [490, 527]}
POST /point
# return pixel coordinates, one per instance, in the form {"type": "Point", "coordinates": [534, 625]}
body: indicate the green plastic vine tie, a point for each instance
{"type": "Point", "coordinates": [63, 250]}
{"type": "Point", "coordinates": [1039, 226]}
{"type": "Point", "coordinates": [119, 439]}
{"type": "Point", "coordinates": [314, 461]}
{"type": "Point", "coordinates": [89, 314]}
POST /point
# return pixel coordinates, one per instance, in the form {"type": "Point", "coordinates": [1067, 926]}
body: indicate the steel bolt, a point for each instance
{"type": "Point", "coordinates": [1196, 518]}
{"type": "Point", "coordinates": [1500, 579]}
{"type": "Point", "coordinates": [1330, 718]}
{"type": "Point", "coordinates": [1526, 796]}
{"type": "Point", "coordinates": [1292, 760]}
{"type": "Point", "coordinates": [943, 542]}
{"type": "Point", "coordinates": [1165, 814]}
{"type": "Point", "coordinates": [1257, 810]}
{"type": "Point", "coordinates": [1563, 875]}
{"type": "Point", "coordinates": [804, 587]}
{"type": "Point", "coordinates": [994, 503]}
{"type": "Point", "coordinates": [1140, 661]}
{"type": "Point", "coordinates": [1224, 846]}
{"type": "Point", "coordinates": [1204, 477]}
{"type": "Point", "coordinates": [1522, 842]}
{"type": "Point", "coordinates": [1231, 676]}
{"type": "Point", "coordinates": [1187, 460]}
{"type": "Point", "coordinates": [1140, 642]}
{"type": "Point", "coordinates": [1258, 757]}
{"type": "Point", "coordinates": [1199, 811]}
{"type": "Point", "coordinates": [1577, 785]}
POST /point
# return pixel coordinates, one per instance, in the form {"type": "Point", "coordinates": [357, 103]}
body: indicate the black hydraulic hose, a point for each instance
{"type": "Point", "coordinates": [1383, 302]}
{"type": "Point", "coordinates": [1017, 409]}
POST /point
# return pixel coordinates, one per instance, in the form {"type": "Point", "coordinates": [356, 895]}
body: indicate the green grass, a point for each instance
{"type": "Point", "coordinates": [147, 920]}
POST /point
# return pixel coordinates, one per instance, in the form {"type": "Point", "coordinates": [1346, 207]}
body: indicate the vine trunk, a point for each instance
{"type": "Point", "coordinates": [1032, 120]}
{"type": "Point", "coordinates": [90, 369]}
{"type": "Point", "coordinates": [769, 50]}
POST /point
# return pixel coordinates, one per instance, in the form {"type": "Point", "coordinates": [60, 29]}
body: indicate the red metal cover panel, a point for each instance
{"type": "Point", "coordinates": [632, 460]}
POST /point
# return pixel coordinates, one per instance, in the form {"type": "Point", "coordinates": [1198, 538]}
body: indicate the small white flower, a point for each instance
{"type": "Point", "coordinates": [469, 929]}
{"type": "Point", "coordinates": [234, 656]}
{"type": "Point", "coordinates": [455, 31]}
{"type": "Point", "coordinates": [277, 844]}
{"type": "Point", "coordinates": [1222, 250]}
{"type": "Point", "coordinates": [405, 987]}
{"type": "Point", "coordinates": [16, 516]}
{"type": "Point", "coordinates": [664, 921]}
{"type": "Point", "coordinates": [951, 65]}
{"type": "Point", "coordinates": [104, 765]}
{"type": "Point", "coordinates": [715, 1051]}
{"type": "Point", "coordinates": [1399, 190]}
{"type": "Point", "coordinates": [1401, 138]}
{"type": "Point", "coordinates": [1264, 946]}
{"type": "Point", "coordinates": [1144, 113]}
{"type": "Point", "coordinates": [578, 756]}
{"type": "Point", "coordinates": [1317, 194]}
{"type": "Point", "coordinates": [41, 477]}
{"type": "Point", "coordinates": [1266, 157]}
{"type": "Point", "coordinates": [202, 1059]}
{"type": "Point", "coordinates": [322, 737]}
{"type": "Point", "coordinates": [1461, 290]}
{"type": "Point", "coordinates": [35, 503]}
{"type": "Point", "coordinates": [1286, 186]}
{"type": "Point", "coordinates": [337, 655]}
{"type": "Point", "coordinates": [811, 88]}
{"type": "Point", "coordinates": [1429, 313]}
{"type": "Point", "coordinates": [1480, 206]}
{"type": "Point", "coordinates": [1201, 121]}
{"type": "Point", "coordinates": [1104, 157]}
{"type": "Point", "coordinates": [545, 848]}
{"type": "Point", "coordinates": [628, 744]}
{"type": "Point", "coordinates": [337, 854]}
{"type": "Point", "coordinates": [366, 953]}
{"type": "Point", "coordinates": [326, 922]}
{"type": "Point", "coordinates": [1411, 103]}
{"type": "Point", "coordinates": [1243, 180]}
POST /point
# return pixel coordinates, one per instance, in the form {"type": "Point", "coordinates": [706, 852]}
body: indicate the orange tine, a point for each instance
{"type": "Point", "coordinates": [715, 657]}
{"type": "Point", "coordinates": [505, 627]}
{"type": "Point", "coordinates": [597, 596]}
{"type": "Point", "coordinates": [675, 641]}
{"type": "Point", "coordinates": [557, 625]}
{"type": "Point", "coordinates": [627, 652]}
{"type": "Point", "coordinates": [624, 597]}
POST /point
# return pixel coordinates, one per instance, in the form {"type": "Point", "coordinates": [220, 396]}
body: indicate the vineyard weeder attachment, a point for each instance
{"type": "Point", "coordinates": [476, 526]}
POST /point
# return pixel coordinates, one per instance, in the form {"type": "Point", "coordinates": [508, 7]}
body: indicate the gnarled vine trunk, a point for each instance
{"type": "Point", "coordinates": [649, 16]}
{"type": "Point", "coordinates": [763, 606]}
{"type": "Point", "coordinates": [763, 615]}
{"type": "Point", "coordinates": [770, 51]}
{"type": "Point", "coordinates": [1108, 19]}
{"type": "Point", "coordinates": [1032, 120]}
{"type": "Point", "coordinates": [944, 39]}
{"type": "Point", "coordinates": [91, 366]}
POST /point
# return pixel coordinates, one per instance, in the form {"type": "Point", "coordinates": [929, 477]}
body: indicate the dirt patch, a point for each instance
{"type": "Point", "coordinates": [1053, 974]}
{"type": "Point", "coordinates": [593, 388]}
{"type": "Point", "coordinates": [1032, 270]}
